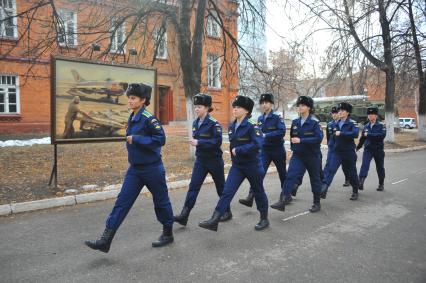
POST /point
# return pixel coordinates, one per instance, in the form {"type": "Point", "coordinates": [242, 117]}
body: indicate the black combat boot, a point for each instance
{"type": "Point", "coordinates": [294, 191]}
{"type": "Point", "coordinates": [248, 201]}
{"type": "Point", "coordinates": [381, 187]}
{"type": "Point", "coordinates": [103, 243]}
{"type": "Point", "coordinates": [317, 203]}
{"type": "Point", "coordinates": [280, 204]}
{"type": "Point", "coordinates": [288, 200]}
{"type": "Point", "coordinates": [346, 183]}
{"type": "Point", "coordinates": [212, 223]}
{"type": "Point", "coordinates": [182, 218]}
{"type": "Point", "coordinates": [361, 183]}
{"type": "Point", "coordinates": [165, 238]}
{"type": "Point", "coordinates": [263, 223]}
{"type": "Point", "coordinates": [324, 190]}
{"type": "Point", "coordinates": [354, 195]}
{"type": "Point", "coordinates": [226, 216]}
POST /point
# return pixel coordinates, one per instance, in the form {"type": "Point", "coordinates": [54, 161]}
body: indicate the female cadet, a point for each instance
{"type": "Point", "coordinates": [305, 136]}
{"type": "Point", "coordinates": [144, 139]}
{"type": "Point", "coordinates": [207, 138]}
{"type": "Point", "coordinates": [345, 132]}
{"type": "Point", "coordinates": [273, 129]}
{"type": "Point", "coordinates": [372, 138]}
{"type": "Point", "coordinates": [245, 144]}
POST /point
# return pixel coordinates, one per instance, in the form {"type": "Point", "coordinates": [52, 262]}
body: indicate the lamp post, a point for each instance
{"type": "Point", "coordinates": [95, 47]}
{"type": "Point", "coordinates": [132, 52]}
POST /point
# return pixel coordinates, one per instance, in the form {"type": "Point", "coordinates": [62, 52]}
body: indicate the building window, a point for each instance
{"type": "Point", "coordinates": [213, 27]}
{"type": "Point", "coordinates": [213, 71]}
{"type": "Point", "coordinates": [118, 35]}
{"type": "Point", "coordinates": [9, 95]}
{"type": "Point", "coordinates": [160, 39]}
{"type": "Point", "coordinates": [8, 25]}
{"type": "Point", "coordinates": [67, 28]}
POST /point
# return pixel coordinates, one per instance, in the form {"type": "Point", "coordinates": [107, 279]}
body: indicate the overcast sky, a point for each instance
{"type": "Point", "coordinates": [279, 29]}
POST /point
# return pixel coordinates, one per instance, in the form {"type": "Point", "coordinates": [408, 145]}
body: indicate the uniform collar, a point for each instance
{"type": "Point", "coordinates": [307, 121]}
{"type": "Point", "coordinates": [137, 117]}
{"type": "Point", "coordinates": [243, 122]}
{"type": "Point", "coordinates": [204, 121]}
{"type": "Point", "coordinates": [271, 113]}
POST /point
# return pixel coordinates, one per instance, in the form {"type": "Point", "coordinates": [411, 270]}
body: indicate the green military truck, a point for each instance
{"type": "Point", "coordinates": [359, 103]}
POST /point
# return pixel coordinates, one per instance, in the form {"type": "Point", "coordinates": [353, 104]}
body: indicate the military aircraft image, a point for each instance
{"type": "Point", "coordinates": [108, 87]}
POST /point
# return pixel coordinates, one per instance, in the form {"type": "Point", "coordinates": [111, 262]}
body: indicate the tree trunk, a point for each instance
{"type": "Point", "coordinates": [190, 117]}
{"type": "Point", "coordinates": [421, 114]}
{"type": "Point", "coordinates": [421, 123]}
{"type": "Point", "coordinates": [390, 105]}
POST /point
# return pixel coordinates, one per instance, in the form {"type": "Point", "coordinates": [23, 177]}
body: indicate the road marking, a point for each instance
{"type": "Point", "coordinates": [400, 181]}
{"type": "Point", "coordinates": [297, 215]}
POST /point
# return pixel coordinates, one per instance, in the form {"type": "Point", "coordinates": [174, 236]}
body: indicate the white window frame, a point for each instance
{"type": "Point", "coordinates": [4, 88]}
{"type": "Point", "coordinates": [213, 71]}
{"type": "Point", "coordinates": [62, 13]}
{"type": "Point", "coordinates": [161, 52]}
{"type": "Point", "coordinates": [213, 27]}
{"type": "Point", "coordinates": [114, 38]}
{"type": "Point", "coordinates": [5, 13]}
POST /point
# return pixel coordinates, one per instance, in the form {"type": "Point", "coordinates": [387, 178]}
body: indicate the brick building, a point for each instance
{"type": "Point", "coordinates": [29, 36]}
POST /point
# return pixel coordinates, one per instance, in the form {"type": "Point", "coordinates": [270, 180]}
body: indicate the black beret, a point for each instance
{"type": "Point", "coordinates": [139, 89]}
{"type": "Point", "coordinates": [372, 110]}
{"type": "Point", "coordinates": [203, 99]}
{"type": "Point", "coordinates": [244, 102]}
{"type": "Point", "coordinates": [345, 106]}
{"type": "Point", "coordinates": [305, 100]}
{"type": "Point", "coordinates": [269, 97]}
{"type": "Point", "coordinates": [334, 109]}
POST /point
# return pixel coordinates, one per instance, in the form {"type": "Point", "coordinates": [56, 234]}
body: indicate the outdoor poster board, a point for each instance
{"type": "Point", "coordinates": [88, 99]}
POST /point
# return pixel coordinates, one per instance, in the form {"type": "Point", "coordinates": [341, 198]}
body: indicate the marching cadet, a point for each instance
{"type": "Point", "coordinates": [144, 139]}
{"type": "Point", "coordinates": [372, 138]}
{"type": "Point", "coordinates": [330, 143]}
{"type": "Point", "coordinates": [207, 138]}
{"type": "Point", "coordinates": [305, 137]}
{"type": "Point", "coordinates": [273, 129]}
{"type": "Point", "coordinates": [344, 133]}
{"type": "Point", "coordinates": [245, 144]}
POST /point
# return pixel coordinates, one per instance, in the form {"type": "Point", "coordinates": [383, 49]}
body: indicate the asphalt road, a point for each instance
{"type": "Point", "coordinates": [380, 238]}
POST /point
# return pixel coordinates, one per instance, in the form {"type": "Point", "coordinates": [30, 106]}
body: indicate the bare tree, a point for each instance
{"type": "Point", "coordinates": [104, 22]}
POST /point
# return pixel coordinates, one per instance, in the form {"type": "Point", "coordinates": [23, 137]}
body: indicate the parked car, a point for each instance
{"type": "Point", "coordinates": [407, 123]}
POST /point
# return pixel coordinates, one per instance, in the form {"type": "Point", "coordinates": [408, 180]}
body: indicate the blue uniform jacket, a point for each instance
{"type": "Point", "coordinates": [247, 141]}
{"type": "Point", "coordinates": [147, 138]}
{"type": "Point", "coordinates": [376, 133]}
{"type": "Point", "coordinates": [209, 136]}
{"type": "Point", "coordinates": [348, 133]}
{"type": "Point", "coordinates": [330, 133]}
{"type": "Point", "coordinates": [310, 135]}
{"type": "Point", "coordinates": [274, 129]}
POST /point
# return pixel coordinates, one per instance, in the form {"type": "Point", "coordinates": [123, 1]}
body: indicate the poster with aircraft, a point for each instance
{"type": "Point", "coordinates": [89, 101]}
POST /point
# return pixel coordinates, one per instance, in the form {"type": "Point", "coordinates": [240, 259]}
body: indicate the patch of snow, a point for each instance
{"type": "Point", "coordinates": [30, 142]}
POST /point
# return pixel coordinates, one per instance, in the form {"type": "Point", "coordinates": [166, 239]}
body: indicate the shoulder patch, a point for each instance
{"type": "Point", "coordinates": [146, 114]}
{"type": "Point", "coordinates": [213, 119]}
{"type": "Point", "coordinates": [251, 121]}
{"type": "Point", "coordinates": [352, 121]}
{"type": "Point", "coordinates": [315, 119]}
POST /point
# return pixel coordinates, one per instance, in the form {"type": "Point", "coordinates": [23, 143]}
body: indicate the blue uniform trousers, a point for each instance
{"type": "Point", "coordinates": [348, 161]}
{"type": "Point", "coordinates": [202, 167]}
{"type": "Point", "coordinates": [297, 168]}
{"type": "Point", "coordinates": [379, 159]}
{"type": "Point", "coordinates": [330, 153]}
{"type": "Point", "coordinates": [278, 156]}
{"type": "Point", "coordinates": [254, 172]}
{"type": "Point", "coordinates": [154, 178]}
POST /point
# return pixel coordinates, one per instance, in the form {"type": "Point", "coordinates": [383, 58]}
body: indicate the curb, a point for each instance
{"type": "Point", "coordinates": [111, 192]}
